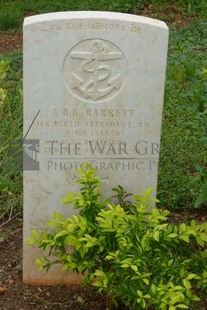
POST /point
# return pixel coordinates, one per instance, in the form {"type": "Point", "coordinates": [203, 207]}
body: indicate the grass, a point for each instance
{"type": "Point", "coordinates": [185, 115]}
{"type": "Point", "coordinates": [185, 109]}
{"type": "Point", "coordinates": [13, 12]}
{"type": "Point", "coordinates": [10, 137]}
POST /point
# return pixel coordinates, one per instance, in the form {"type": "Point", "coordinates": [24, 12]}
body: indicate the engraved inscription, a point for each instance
{"type": "Point", "coordinates": [95, 70]}
{"type": "Point", "coordinates": [134, 28]}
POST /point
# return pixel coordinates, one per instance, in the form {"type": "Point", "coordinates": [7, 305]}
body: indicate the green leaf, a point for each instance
{"type": "Point", "coordinates": [170, 262]}
{"type": "Point", "coordinates": [147, 296]}
{"type": "Point", "coordinates": [145, 280]}
{"type": "Point", "coordinates": [4, 66]}
{"type": "Point", "coordinates": [98, 283]}
{"type": "Point", "coordinates": [139, 300]}
{"type": "Point", "coordinates": [72, 240]}
{"type": "Point", "coordinates": [182, 227]}
{"type": "Point", "coordinates": [125, 265]}
{"type": "Point", "coordinates": [186, 283]}
{"type": "Point", "coordinates": [156, 236]}
{"type": "Point", "coordinates": [163, 226]}
{"type": "Point", "coordinates": [182, 306]}
{"type": "Point", "coordinates": [70, 198]}
{"type": "Point", "coordinates": [203, 237]}
{"type": "Point", "coordinates": [148, 192]}
{"type": "Point", "coordinates": [191, 276]}
{"type": "Point", "coordinates": [199, 240]}
{"type": "Point", "coordinates": [153, 289]}
{"type": "Point", "coordinates": [182, 272]}
{"type": "Point", "coordinates": [61, 234]}
{"type": "Point", "coordinates": [177, 288]}
{"type": "Point", "coordinates": [184, 238]}
{"type": "Point", "coordinates": [105, 282]}
{"type": "Point", "coordinates": [134, 267]}
{"type": "Point", "coordinates": [177, 298]}
{"type": "Point", "coordinates": [140, 293]}
{"type": "Point", "coordinates": [57, 216]}
{"type": "Point", "coordinates": [191, 232]}
{"type": "Point", "coordinates": [34, 233]}
{"type": "Point", "coordinates": [172, 235]}
{"type": "Point", "coordinates": [30, 241]}
{"type": "Point", "coordinates": [99, 273]}
{"type": "Point", "coordinates": [193, 224]}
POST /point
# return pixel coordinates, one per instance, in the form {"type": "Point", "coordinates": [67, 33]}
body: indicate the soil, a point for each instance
{"type": "Point", "coordinates": [10, 42]}
{"type": "Point", "coordinates": [14, 294]}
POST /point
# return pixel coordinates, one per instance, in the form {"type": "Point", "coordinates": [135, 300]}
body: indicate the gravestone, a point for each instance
{"type": "Point", "coordinates": [93, 92]}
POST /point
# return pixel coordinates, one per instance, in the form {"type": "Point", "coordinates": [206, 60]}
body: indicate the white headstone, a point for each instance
{"type": "Point", "coordinates": [93, 92]}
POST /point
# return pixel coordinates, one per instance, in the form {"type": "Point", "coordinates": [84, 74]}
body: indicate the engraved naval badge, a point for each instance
{"type": "Point", "coordinates": [95, 70]}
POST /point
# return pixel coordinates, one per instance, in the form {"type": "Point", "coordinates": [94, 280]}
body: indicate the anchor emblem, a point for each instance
{"type": "Point", "coordinates": [98, 76]}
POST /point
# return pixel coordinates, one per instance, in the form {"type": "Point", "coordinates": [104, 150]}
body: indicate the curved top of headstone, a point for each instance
{"type": "Point", "coordinates": [93, 14]}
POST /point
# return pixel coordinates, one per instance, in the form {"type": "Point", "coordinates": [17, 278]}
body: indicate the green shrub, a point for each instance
{"type": "Point", "coordinates": [128, 249]}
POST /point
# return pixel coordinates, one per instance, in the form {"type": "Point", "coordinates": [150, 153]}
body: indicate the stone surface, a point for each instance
{"type": "Point", "coordinates": [93, 92]}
